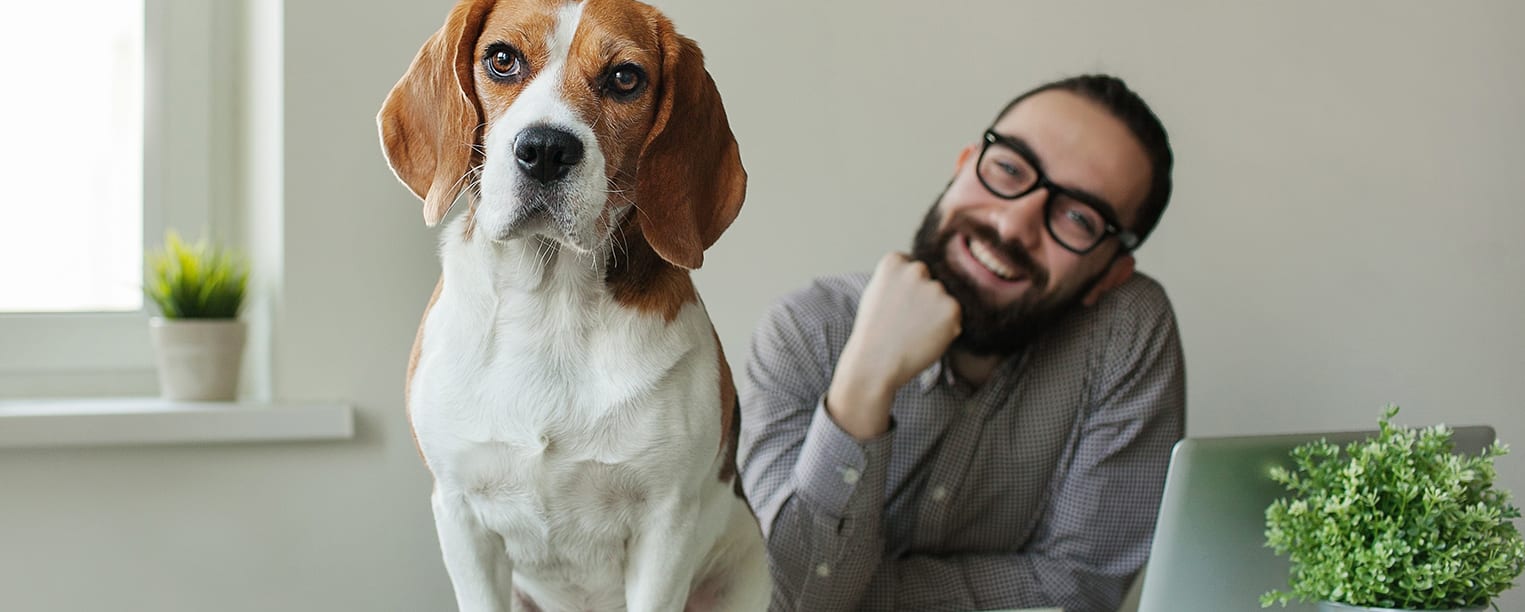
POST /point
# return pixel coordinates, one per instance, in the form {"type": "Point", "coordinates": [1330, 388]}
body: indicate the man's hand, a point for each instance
{"type": "Point", "coordinates": [905, 322]}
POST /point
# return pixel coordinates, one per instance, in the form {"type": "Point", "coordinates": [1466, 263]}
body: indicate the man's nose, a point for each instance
{"type": "Point", "coordinates": [1022, 220]}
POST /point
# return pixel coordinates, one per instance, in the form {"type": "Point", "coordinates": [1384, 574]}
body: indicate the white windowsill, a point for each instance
{"type": "Point", "coordinates": [153, 421]}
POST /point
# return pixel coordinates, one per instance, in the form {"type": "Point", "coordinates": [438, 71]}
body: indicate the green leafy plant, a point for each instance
{"type": "Point", "coordinates": [196, 281]}
{"type": "Point", "coordinates": [1395, 521]}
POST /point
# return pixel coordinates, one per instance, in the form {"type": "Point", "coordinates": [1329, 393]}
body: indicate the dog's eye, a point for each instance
{"type": "Point", "coordinates": [502, 62]}
{"type": "Point", "coordinates": [625, 80]}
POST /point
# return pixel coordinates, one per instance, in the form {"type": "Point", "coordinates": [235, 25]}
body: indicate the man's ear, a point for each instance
{"type": "Point", "coordinates": [966, 154]}
{"type": "Point", "coordinates": [1119, 271]}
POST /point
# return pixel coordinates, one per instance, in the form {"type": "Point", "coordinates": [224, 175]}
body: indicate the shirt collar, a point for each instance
{"type": "Point", "coordinates": [941, 372]}
{"type": "Point", "coordinates": [938, 372]}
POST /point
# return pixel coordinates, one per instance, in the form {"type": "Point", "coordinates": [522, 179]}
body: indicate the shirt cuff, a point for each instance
{"type": "Point", "coordinates": [839, 475]}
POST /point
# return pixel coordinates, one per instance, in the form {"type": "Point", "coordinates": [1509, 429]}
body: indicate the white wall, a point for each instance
{"type": "Point", "coordinates": [1344, 234]}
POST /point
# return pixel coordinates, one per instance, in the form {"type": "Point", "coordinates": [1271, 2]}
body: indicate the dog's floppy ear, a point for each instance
{"type": "Point", "coordinates": [429, 121]}
{"type": "Point", "coordinates": [690, 183]}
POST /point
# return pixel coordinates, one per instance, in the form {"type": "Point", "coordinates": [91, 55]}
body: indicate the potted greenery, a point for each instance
{"type": "Point", "coordinates": [198, 339]}
{"type": "Point", "coordinates": [1396, 521]}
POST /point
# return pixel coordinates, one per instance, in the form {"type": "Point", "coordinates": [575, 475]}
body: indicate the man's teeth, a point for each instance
{"type": "Point", "coordinates": [988, 259]}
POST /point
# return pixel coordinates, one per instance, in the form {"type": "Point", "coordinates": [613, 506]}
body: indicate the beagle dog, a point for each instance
{"type": "Point", "coordinates": [566, 388]}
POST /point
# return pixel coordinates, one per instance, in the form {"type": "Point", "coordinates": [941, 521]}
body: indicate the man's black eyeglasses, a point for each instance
{"type": "Point", "coordinates": [1077, 220]}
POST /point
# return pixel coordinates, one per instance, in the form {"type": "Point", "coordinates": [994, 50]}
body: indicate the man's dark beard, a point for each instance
{"type": "Point", "coordinates": [987, 330]}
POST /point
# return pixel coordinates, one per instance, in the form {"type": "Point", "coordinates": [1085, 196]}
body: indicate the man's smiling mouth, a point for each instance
{"type": "Point", "coordinates": [987, 257]}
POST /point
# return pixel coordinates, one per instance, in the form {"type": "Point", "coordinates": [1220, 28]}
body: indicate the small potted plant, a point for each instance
{"type": "Point", "coordinates": [1395, 522]}
{"type": "Point", "coordinates": [198, 339]}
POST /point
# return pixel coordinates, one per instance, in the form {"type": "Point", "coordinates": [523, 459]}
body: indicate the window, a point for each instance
{"type": "Point", "coordinates": [121, 126]}
{"type": "Point", "coordinates": [73, 160]}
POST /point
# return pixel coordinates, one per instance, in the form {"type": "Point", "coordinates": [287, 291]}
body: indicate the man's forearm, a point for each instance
{"type": "Point", "coordinates": [991, 581]}
{"type": "Point", "coordinates": [820, 562]}
{"type": "Point", "coordinates": [860, 406]}
{"type": "Point", "coordinates": [824, 526]}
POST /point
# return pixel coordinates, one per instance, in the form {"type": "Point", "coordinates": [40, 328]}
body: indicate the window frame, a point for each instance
{"type": "Point", "coordinates": [190, 67]}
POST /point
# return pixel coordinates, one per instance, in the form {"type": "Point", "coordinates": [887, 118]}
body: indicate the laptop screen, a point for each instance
{"type": "Point", "coordinates": [1209, 550]}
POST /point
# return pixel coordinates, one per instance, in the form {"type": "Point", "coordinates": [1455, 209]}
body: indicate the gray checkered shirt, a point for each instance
{"type": "Point", "coordinates": [1039, 488]}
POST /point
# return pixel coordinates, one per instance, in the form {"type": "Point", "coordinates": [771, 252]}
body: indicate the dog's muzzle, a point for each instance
{"type": "Point", "coordinates": [547, 154]}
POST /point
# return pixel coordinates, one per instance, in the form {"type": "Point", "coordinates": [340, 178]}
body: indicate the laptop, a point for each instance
{"type": "Point", "coordinates": [1209, 552]}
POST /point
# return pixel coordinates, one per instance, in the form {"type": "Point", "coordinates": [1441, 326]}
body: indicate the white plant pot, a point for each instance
{"type": "Point", "coordinates": [1328, 606]}
{"type": "Point", "coordinates": [198, 359]}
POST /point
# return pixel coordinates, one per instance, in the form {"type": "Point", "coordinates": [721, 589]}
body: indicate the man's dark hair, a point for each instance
{"type": "Point", "coordinates": [1113, 94]}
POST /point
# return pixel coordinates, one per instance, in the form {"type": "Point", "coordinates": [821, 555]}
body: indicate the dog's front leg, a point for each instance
{"type": "Point", "coordinates": [475, 558]}
{"type": "Point", "coordinates": [662, 558]}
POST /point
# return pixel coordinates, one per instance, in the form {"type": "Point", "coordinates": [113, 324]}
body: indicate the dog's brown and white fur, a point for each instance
{"type": "Point", "coordinates": [567, 389]}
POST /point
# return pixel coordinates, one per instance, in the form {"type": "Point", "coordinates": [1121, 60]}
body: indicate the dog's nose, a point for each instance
{"type": "Point", "coordinates": [547, 154]}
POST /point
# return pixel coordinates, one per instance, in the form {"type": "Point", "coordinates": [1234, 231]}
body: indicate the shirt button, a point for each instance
{"type": "Point", "coordinates": [850, 476]}
{"type": "Point", "coordinates": [823, 570]}
{"type": "Point", "coordinates": [940, 493]}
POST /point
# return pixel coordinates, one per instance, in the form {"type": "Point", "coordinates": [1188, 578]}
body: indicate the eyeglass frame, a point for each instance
{"type": "Point", "coordinates": [1112, 227]}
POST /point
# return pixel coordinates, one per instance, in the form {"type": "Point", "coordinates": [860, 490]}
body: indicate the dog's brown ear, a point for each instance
{"type": "Point", "coordinates": [690, 183]}
{"type": "Point", "coordinates": [429, 122]}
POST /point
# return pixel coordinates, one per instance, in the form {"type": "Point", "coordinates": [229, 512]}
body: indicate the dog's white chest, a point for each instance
{"type": "Point", "coordinates": [561, 436]}
{"type": "Point", "coordinates": [551, 503]}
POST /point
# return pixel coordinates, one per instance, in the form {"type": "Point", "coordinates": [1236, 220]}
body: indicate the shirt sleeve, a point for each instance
{"type": "Point", "coordinates": [817, 491]}
{"type": "Point", "coordinates": [1096, 531]}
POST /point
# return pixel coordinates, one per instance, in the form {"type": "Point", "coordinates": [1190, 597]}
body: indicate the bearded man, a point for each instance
{"type": "Point", "coordinates": [986, 422]}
